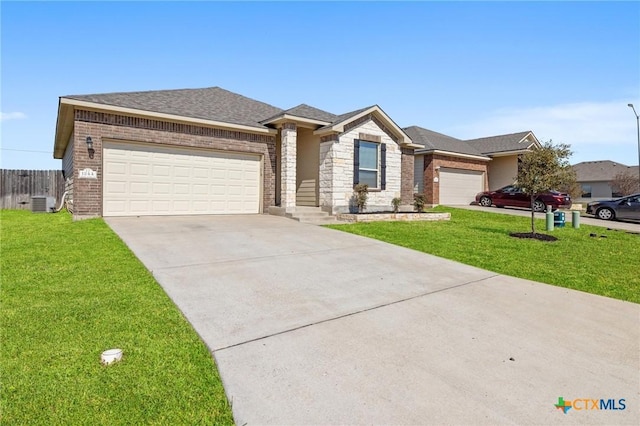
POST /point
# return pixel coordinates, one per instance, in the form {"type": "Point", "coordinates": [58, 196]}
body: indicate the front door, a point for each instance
{"type": "Point", "coordinates": [307, 168]}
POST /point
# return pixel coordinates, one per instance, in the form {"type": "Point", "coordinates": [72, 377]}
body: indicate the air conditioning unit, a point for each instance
{"type": "Point", "coordinates": [43, 204]}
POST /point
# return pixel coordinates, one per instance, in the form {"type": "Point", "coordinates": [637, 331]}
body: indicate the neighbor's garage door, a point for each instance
{"type": "Point", "coordinates": [152, 180]}
{"type": "Point", "coordinates": [459, 187]}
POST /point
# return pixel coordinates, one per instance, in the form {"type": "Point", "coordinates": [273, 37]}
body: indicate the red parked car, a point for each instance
{"type": "Point", "coordinates": [512, 196]}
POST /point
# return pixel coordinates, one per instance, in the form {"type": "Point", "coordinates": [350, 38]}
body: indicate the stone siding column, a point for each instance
{"type": "Point", "coordinates": [326, 173]}
{"type": "Point", "coordinates": [289, 136]}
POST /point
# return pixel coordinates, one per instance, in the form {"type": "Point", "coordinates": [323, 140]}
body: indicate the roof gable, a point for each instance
{"type": "Point", "coordinates": [434, 141]}
{"type": "Point", "coordinates": [512, 142]}
{"type": "Point", "coordinates": [212, 103]}
{"type": "Point", "coordinates": [301, 113]}
{"type": "Point", "coordinates": [347, 120]}
{"type": "Point", "coordinates": [307, 111]}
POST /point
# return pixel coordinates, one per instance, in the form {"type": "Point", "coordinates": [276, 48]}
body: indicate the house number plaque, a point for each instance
{"type": "Point", "coordinates": [88, 174]}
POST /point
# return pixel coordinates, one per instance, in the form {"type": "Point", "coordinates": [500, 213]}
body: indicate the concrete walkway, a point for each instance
{"type": "Point", "coordinates": [314, 326]}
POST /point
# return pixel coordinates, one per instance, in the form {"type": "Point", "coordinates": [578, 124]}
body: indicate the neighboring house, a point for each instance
{"type": "Point", "coordinates": [452, 171]}
{"type": "Point", "coordinates": [211, 151]}
{"type": "Point", "coordinates": [505, 152]}
{"type": "Point", "coordinates": [596, 177]}
{"type": "Point", "coordinates": [448, 170]}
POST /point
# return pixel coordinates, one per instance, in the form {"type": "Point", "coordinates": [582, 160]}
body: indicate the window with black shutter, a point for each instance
{"type": "Point", "coordinates": [370, 164]}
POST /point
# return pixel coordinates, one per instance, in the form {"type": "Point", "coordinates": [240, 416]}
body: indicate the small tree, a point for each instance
{"type": "Point", "coordinates": [545, 169]}
{"type": "Point", "coordinates": [625, 183]}
{"type": "Point", "coordinates": [574, 189]}
{"type": "Point", "coordinates": [361, 193]}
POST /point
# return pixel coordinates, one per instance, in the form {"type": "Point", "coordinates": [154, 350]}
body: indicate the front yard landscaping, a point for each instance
{"type": "Point", "coordinates": [71, 290]}
{"type": "Point", "coordinates": [590, 259]}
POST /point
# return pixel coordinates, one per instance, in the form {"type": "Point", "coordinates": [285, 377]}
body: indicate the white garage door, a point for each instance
{"type": "Point", "coordinates": [151, 180]}
{"type": "Point", "coordinates": [459, 187]}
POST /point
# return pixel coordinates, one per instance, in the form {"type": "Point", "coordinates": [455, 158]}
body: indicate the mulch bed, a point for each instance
{"type": "Point", "coordinates": [536, 236]}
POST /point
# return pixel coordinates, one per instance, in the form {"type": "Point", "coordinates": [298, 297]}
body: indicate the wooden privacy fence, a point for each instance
{"type": "Point", "coordinates": [18, 186]}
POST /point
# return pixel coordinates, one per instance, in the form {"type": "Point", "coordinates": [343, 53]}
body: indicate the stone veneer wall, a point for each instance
{"type": "Point", "coordinates": [87, 201]}
{"type": "Point", "coordinates": [336, 170]}
{"type": "Point", "coordinates": [325, 174]}
{"type": "Point", "coordinates": [288, 165]}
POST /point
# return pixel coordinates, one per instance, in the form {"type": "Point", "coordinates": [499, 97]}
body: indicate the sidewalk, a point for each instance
{"type": "Point", "coordinates": [584, 220]}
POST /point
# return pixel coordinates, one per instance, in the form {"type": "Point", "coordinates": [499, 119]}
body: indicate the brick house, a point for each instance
{"type": "Point", "coordinates": [452, 171]}
{"type": "Point", "coordinates": [211, 151]}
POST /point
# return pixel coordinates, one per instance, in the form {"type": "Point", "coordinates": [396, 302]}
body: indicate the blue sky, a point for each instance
{"type": "Point", "coordinates": [565, 70]}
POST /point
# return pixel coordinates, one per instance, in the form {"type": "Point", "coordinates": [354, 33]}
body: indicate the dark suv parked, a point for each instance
{"type": "Point", "coordinates": [512, 196]}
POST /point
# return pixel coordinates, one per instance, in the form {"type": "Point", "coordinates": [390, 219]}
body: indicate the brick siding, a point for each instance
{"type": "Point", "coordinates": [431, 162]}
{"type": "Point", "coordinates": [88, 192]}
{"type": "Point", "coordinates": [406, 179]}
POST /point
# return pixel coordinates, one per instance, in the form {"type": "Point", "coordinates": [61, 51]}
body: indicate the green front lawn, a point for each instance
{"type": "Point", "coordinates": [71, 290]}
{"type": "Point", "coordinates": [605, 265]}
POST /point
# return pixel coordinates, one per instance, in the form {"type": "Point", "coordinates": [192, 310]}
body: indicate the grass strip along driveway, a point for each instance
{"type": "Point", "coordinates": [71, 290]}
{"type": "Point", "coordinates": [604, 264]}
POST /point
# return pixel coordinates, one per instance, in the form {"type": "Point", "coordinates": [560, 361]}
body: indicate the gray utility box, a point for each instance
{"type": "Point", "coordinates": [43, 204]}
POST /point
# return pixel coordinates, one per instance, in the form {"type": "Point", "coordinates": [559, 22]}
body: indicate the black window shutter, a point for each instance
{"type": "Point", "coordinates": [383, 167]}
{"type": "Point", "coordinates": [356, 161]}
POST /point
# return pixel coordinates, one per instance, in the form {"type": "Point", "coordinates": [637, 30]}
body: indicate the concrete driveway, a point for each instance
{"type": "Point", "coordinates": [314, 326]}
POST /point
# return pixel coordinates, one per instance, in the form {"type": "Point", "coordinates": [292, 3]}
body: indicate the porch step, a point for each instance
{"type": "Point", "coordinates": [308, 214]}
{"type": "Point", "coordinates": [311, 215]}
{"type": "Point", "coordinates": [330, 220]}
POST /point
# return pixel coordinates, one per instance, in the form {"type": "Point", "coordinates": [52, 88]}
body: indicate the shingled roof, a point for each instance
{"type": "Point", "coordinates": [439, 142]}
{"type": "Point", "coordinates": [211, 103]}
{"type": "Point", "coordinates": [501, 143]}
{"type": "Point", "coordinates": [601, 171]}
{"type": "Point", "coordinates": [342, 117]}
{"type": "Point", "coordinates": [307, 111]}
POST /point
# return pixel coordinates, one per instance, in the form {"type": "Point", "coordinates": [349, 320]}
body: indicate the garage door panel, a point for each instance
{"type": "Point", "coordinates": [459, 187]}
{"type": "Point", "coordinates": [138, 188]}
{"type": "Point", "coordinates": [218, 174]}
{"type": "Point", "coordinates": [139, 181]}
{"type": "Point", "coordinates": [181, 189]}
{"type": "Point", "coordinates": [201, 173]}
{"type": "Point", "coordinates": [201, 206]}
{"type": "Point", "coordinates": [138, 169]}
{"type": "Point", "coordinates": [161, 171]}
{"type": "Point", "coordinates": [160, 188]}
{"type": "Point", "coordinates": [115, 206]}
{"type": "Point", "coordinates": [140, 156]}
{"type": "Point", "coordinates": [200, 189]}
{"type": "Point", "coordinates": [218, 190]}
{"type": "Point", "coordinates": [181, 205]}
{"type": "Point", "coordinates": [137, 206]}
{"type": "Point", "coordinates": [181, 171]}
{"type": "Point", "coordinates": [116, 168]}
{"type": "Point", "coordinates": [115, 187]}
{"type": "Point", "coordinates": [161, 206]}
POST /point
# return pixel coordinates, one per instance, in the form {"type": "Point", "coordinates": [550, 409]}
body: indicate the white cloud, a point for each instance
{"type": "Point", "coordinates": [578, 123]}
{"type": "Point", "coordinates": [4, 116]}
